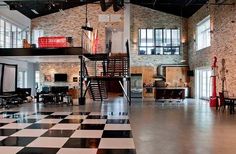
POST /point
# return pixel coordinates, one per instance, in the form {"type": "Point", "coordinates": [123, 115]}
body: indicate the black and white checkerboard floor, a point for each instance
{"type": "Point", "coordinates": [65, 133]}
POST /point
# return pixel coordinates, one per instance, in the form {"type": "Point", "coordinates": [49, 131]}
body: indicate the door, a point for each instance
{"type": "Point", "coordinates": [203, 83]}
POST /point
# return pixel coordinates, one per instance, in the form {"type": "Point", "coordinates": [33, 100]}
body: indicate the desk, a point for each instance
{"type": "Point", "coordinates": [231, 100]}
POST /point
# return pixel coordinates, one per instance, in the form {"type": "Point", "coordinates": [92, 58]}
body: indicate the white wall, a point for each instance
{"type": "Point", "coordinates": [117, 42]}
{"type": "Point", "coordinates": [22, 21]}
{"type": "Point", "coordinates": [24, 66]}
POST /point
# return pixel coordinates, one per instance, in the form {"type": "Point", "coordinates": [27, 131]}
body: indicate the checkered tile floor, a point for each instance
{"type": "Point", "coordinates": [65, 133]}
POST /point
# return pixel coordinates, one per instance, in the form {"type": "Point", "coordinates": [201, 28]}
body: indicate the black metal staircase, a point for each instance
{"type": "Point", "coordinates": [115, 68]}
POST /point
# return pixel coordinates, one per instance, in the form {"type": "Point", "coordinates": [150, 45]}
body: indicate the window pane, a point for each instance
{"type": "Point", "coordinates": [175, 50]}
{"type": "Point", "coordinates": [159, 37]}
{"type": "Point", "coordinates": [13, 29]}
{"type": "Point", "coordinates": [150, 37]}
{"type": "Point", "coordinates": [142, 37]}
{"type": "Point", "coordinates": [159, 50]}
{"type": "Point", "coordinates": [150, 51]}
{"type": "Point", "coordinates": [2, 33]}
{"type": "Point", "coordinates": [167, 37]}
{"type": "Point", "coordinates": [167, 51]}
{"type": "Point", "coordinates": [175, 37]}
{"type": "Point", "coordinates": [8, 35]}
{"type": "Point", "coordinates": [203, 34]}
{"type": "Point", "coordinates": [142, 50]}
{"type": "Point", "coordinates": [19, 38]}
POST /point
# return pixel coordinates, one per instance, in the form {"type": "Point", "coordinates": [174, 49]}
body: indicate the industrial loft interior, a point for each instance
{"type": "Point", "coordinates": [117, 76]}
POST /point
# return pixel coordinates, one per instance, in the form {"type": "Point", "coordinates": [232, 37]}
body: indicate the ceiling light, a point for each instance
{"type": "Point", "coordinates": [35, 12]}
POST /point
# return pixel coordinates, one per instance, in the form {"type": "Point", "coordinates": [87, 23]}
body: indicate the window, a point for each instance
{"type": "Point", "coordinates": [36, 34]}
{"type": "Point", "coordinates": [203, 34]}
{"type": "Point", "coordinates": [203, 83]}
{"type": "Point", "coordinates": [11, 35]}
{"type": "Point", "coordinates": [159, 41]}
{"type": "Point", "coordinates": [22, 79]}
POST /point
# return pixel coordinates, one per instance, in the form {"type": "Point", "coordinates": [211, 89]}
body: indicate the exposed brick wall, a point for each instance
{"type": "Point", "coordinates": [69, 24]}
{"type": "Point", "coordinates": [142, 17]}
{"type": "Point", "coordinates": [71, 69]}
{"type": "Point", "coordinates": [223, 44]}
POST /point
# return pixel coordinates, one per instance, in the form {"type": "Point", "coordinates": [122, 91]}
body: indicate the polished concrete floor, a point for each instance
{"type": "Point", "coordinates": [190, 127]}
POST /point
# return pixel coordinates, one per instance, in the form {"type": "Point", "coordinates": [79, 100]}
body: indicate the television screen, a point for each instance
{"type": "Point", "coordinates": [60, 77]}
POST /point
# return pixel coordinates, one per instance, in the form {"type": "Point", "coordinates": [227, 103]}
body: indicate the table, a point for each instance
{"type": "Point", "coordinates": [231, 100]}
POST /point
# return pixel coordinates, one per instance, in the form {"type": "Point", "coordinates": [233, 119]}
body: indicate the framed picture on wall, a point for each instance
{"type": "Point", "coordinates": [75, 79]}
{"type": "Point", "coordinates": [47, 78]}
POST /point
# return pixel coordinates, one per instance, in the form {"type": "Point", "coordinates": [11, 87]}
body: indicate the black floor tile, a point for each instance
{"type": "Point", "coordinates": [92, 126]}
{"type": "Point", "coordinates": [80, 113]}
{"type": "Point", "coordinates": [117, 121]}
{"type": "Point", "coordinates": [43, 113]}
{"type": "Point", "coordinates": [9, 112]}
{"type": "Point", "coordinates": [56, 117]}
{"type": "Point", "coordinates": [34, 150]}
{"type": "Point", "coordinates": [82, 143]}
{"type": "Point", "coordinates": [96, 117]}
{"type": "Point", "coordinates": [116, 151]}
{"type": "Point", "coordinates": [2, 124]}
{"type": "Point", "coordinates": [8, 132]}
{"type": "Point", "coordinates": [58, 133]}
{"type": "Point", "coordinates": [40, 126]}
{"type": "Point", "coordinates": [73, 121]}
{"type": "Point", "coordinates": [116, 134]}
{"type": "Point", "coordinates": [17, 141]}
{"type": "Point", "coordinates": [25, 120]}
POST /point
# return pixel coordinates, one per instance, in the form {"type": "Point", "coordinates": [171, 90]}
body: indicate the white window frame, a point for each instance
{"type": "Point", "coordinates": [17, 45]}
{"type": "Point", "coordinates": [205, 31]}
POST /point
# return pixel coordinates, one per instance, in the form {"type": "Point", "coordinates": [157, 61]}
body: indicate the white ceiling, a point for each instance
{"type": "Point", "coordinates": [40, 59]}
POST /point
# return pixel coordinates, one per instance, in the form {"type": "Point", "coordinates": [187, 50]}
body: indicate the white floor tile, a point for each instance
{"type": "Point", "coordinates": [10, 149]}
{"type": "Point", "coordinates": [36, 116]}
{"type": "Point", "coordinates": [7, 120]}
{"type": "Point", "coordinates": [117, 127]}
{"type": "Point", "coordinates": [15, 126]}
{"type": "Point", "coordinates": [50, 121]}
{"type": "Point", "coordinates": [77, 151]}
{"type": "Point", "coordinates": [94, 121]}
{"type": "Point", "coordinates": [87, 134]}
{"type": "Point", "coordinates": [76, 117]}
{"type": "Point", "coordinates": [117, 117]}
{"type": "Point", "coordinates": [3, 137]}
{"type": "Point", "coordinates": [61, 113]}
{"type": "Point", "coordinates": [53, 142]}
{"type": "Point", "coordinates": [116, 143]}
{"type": "Point", "coordinates": [95, 113]}
{"type": "Point", "coordinates": [65, 126]}
{"type": "Point", "coordinates": [30, 132]}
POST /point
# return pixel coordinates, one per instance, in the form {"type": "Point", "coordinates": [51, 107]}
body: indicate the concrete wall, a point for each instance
{"type": "Point", "coordinates": [223, 26]}
{"type": "Point", "coordinates": [142, 17]}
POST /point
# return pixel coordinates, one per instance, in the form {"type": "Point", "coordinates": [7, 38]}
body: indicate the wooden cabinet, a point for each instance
{"type": "Point", "coordinates": [147, 77]}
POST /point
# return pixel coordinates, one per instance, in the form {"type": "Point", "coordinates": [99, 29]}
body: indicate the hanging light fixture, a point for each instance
{"type": "Point", "coordinates": [86, 27]}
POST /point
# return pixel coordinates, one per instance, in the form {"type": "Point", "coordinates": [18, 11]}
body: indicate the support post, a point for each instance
{"type": "Point", "coordinates": [81, 98]}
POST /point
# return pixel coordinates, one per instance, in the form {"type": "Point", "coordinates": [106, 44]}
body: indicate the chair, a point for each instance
{"type": "Point", "coordinates": [223, 103]}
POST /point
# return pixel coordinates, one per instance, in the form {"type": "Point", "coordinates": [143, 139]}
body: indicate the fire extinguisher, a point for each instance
{"type": "Point", "coordinates": [213, 99]}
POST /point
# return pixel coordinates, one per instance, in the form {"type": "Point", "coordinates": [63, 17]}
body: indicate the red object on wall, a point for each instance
{"type": "Point", "coordinates": [213, 99]}
{"type": "Point", "coordinates": [52, 42]}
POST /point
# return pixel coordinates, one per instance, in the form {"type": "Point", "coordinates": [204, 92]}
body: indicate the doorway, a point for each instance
{"type": "Point", "coordinates": [203, 83]}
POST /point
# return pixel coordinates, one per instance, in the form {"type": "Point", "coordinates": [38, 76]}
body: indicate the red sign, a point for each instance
{"type": "Point", "coordinates": [52, 42]}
